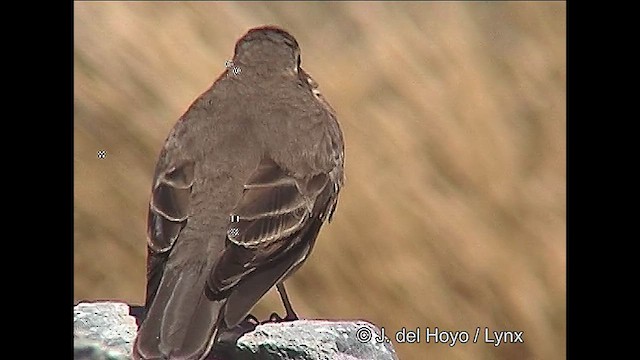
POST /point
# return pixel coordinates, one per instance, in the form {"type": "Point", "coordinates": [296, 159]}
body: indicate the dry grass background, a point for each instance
{"type": "Point", "coordinates": [453, 214]}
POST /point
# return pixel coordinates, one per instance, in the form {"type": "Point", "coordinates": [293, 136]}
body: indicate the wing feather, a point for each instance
{"type": "Point", "coordinates": [271, 218]}
{"type": "Point", "coordinates": [169, 206]}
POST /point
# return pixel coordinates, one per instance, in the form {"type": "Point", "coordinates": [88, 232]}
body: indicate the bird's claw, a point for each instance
{"type": "Point", "coordinates": [275, 318]}
{"type": "Point", "coordinates": [250, 319]}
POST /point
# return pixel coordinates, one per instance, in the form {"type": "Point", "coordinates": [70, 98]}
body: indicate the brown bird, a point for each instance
{"type": "Point", "coordinates": [243, 184]}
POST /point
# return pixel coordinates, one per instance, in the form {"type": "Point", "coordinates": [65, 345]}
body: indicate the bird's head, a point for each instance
{"type": "Point", "coordinates": [267, 49]}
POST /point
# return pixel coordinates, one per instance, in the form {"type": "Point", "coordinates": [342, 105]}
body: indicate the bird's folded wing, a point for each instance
{"type": "Point", "coordinates": [169, 205]}
{"type": "Point", "coordinates": [168, 210]}
{"type": "Point", "coordinates": [274, 208]}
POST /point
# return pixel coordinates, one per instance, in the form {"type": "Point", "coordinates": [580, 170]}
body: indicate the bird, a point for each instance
{"type": "Point", "coordinates": [244, 182]}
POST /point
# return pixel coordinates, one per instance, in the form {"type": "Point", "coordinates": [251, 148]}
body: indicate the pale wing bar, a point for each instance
{"type": "Point", "coordinates": [169, 206]}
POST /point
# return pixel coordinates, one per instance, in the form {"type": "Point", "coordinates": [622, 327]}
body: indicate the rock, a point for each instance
{"type": "Point", "coordinates": [314, 340]}
{"type": "Point", "coordinates": [105, 330]}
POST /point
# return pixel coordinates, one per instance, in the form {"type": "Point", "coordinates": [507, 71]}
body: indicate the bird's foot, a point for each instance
{"type": "Point", "coordinates": [248, 324]}
{"type": "Point", "coordinates": [275, 318]}
{"type": "Point", "coordinates": [138, 312]}
{"type": "Point", "coordinates": [230, 336]}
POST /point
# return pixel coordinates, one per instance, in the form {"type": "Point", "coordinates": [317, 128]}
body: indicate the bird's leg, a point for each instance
{"type": "Point", "coordinates": [291, 315]}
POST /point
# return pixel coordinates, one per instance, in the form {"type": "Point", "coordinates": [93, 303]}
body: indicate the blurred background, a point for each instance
{"type": "Point", "coordinates": [454, 116]}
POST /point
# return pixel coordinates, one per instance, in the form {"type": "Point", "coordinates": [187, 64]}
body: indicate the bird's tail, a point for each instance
{"type": "Point", "coordinates": [181, 322]}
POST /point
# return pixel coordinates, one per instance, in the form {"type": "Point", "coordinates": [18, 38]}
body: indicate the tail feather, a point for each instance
{"type": "Point", "coordinates": [181, 322]}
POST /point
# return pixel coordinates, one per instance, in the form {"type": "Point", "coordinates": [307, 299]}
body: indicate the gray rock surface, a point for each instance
{"type": "Point", "coordinates": [315, 340]}
{"type": "Point", "coordinates": [106, 331]}
{"type": "Point", "coordinates": [103, 330]}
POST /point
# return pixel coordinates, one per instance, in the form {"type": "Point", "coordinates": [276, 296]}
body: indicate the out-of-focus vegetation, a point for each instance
{"type": "Point", "coordinates": [454, 116]}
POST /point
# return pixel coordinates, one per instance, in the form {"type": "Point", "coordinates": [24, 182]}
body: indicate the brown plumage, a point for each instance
{"type": "Point", "coordinates": [243, 184]}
